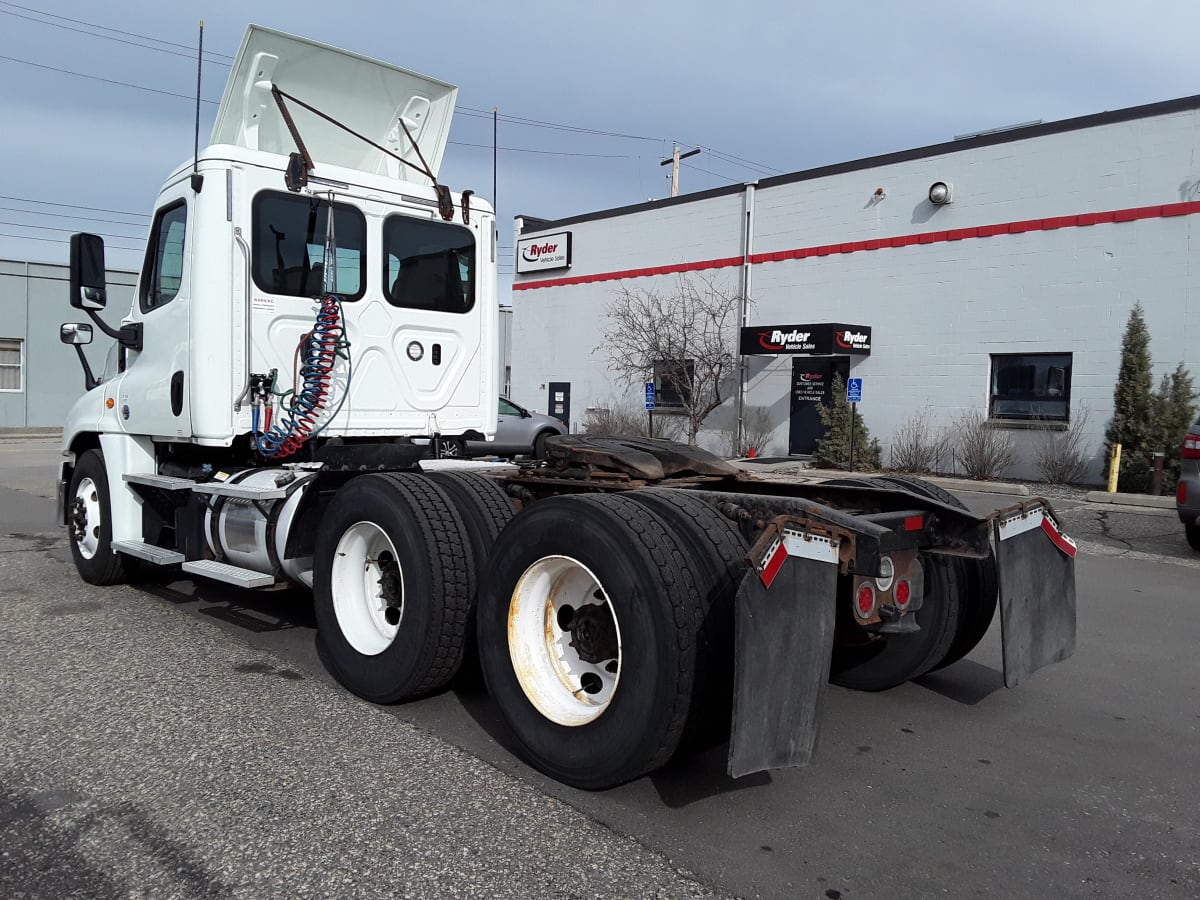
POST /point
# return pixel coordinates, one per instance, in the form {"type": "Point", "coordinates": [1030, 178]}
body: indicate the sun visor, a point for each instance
{"type": "Point", "coordinates": [363, 94]}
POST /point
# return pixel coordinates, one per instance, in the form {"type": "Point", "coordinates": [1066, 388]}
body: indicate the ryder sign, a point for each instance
{"type": "Point", "coordinates": [822, 339]}
{"type": "Point", "coordinates": [548, 251]}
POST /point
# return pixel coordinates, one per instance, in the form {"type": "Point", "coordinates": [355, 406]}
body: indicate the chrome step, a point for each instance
{"type": "Point", "coordinates": [240, 491]}
{"type": "Point", "coordinates": [219, 571]}
{"type": "Point", "coordinates": [160, 556]}
{"type": "Point", "coordinates": [166, 482]}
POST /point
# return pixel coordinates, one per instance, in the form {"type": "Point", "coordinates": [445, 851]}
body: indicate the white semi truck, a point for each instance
{"type": "Point", "coordinates": [316, 312]}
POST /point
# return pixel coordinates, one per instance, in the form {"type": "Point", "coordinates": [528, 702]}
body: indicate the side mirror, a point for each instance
{"type": "Point", "coordinates": [526, 414]}
{"type": "Point", "coordinates": [87, 272]}
{"type": "Point", "coordinates": [75, 333]}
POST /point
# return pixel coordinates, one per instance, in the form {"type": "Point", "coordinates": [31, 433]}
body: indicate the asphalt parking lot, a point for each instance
{"type": "Point", "coordinates": [177, 739]}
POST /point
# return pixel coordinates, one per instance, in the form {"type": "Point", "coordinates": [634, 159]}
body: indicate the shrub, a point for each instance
{"type": "Point", "coordinates": [757, 429]}
{"type": "Point", "coordinates": [980, 450]}
{"type": "Point", "coordinates": [624, 419]}
{"type": "Point", "coordinates": [920, 446]}
{"type": "Point", "coordinates": [1132, 424]}
{"type": "Point", "coordinates": [1061, 457]}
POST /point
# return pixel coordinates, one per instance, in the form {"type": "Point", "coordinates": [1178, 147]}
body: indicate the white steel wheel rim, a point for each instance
{"type": "Point", "coordinates": [363, 557]}
{"type": "Point", "coordinates": [87, 493]}
{"type": "Point", "coordinates": [549, 669]}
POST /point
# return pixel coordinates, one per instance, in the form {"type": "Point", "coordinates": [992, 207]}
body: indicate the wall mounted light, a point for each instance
{"type": "Point", "coordinates": [941, 193]}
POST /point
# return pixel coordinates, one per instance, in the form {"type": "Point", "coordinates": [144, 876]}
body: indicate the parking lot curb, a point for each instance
{"type": "Point", "coordinates": [1130, 499]}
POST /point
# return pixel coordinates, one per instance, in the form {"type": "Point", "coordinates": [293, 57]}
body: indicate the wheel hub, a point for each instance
{"type": "Point", "coordinates": [78, 519]}
{"type": "Point", "coordinates": [593, 633]}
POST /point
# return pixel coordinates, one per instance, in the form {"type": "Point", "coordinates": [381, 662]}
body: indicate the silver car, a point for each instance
{"type": "Point", "coordinates": [1187, 495]}
{"type": "Point", "coordinates": [519, 432]}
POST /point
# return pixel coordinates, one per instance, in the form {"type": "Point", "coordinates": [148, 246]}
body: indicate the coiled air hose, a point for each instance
{"type": "Point", "coordinates": [320, 350]}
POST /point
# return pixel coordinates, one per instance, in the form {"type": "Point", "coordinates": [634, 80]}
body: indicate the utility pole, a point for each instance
{"type": "Point", "coordinates": [673, 162]}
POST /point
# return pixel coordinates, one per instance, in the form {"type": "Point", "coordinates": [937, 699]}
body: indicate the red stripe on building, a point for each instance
{"type": "Point", "coordinates": [902, 240]}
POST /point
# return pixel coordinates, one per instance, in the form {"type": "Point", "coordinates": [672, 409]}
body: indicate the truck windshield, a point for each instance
{"type": "Point", "coordinates": [428, 265]}
{"type": "Point", "coordinates": [289, 245]}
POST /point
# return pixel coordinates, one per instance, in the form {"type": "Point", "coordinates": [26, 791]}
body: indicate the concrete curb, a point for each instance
{"type": "Point", "coordinates": [1130, 499]}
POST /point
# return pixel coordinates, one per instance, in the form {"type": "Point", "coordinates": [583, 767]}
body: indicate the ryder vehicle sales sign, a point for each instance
{"type": "Point", "coordinates": [548, 251]}
{"type": "Point", "coordinates": [819, 339]}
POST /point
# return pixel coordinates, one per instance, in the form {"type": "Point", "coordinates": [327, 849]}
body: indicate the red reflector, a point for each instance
{"type": "Point", "coordinates": [1191, 447]}
{"type": "Point", "coordinates": [903, 593]}
{"type": "Point", "coordinates": [914, 523]}
{"type": "Point", "coordinates": [865, 601]}
{"type": "Point", "coordinates": [1181, 494]}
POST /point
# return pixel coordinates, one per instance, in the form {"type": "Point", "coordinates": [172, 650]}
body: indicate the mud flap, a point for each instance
{"type": "Point", "coordinates": [783, 640]}
{"type": "Point", "coordinates": [1035, 565]}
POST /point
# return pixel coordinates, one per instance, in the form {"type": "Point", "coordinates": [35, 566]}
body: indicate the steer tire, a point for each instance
{"type": "Point", "coordinates": [485, 509]}
{"type": "Point", "coordinates": [717, 551]}
{"type": "Point", "coordinates": [97, 563]}
{"type": "Point", "coordinates": [427, 540]}
{"type": "Point", "coordinates": [644, 579]}
{"type": "Point", "coordinates": [891, 660]}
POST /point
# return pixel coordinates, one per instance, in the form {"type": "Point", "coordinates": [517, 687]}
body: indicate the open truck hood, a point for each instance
{"type": "Point", "coordinates": [364, 94]}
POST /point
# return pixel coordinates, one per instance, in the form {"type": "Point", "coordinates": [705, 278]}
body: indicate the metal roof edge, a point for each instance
{"type": "Point", "coordinates": [1076, 123]}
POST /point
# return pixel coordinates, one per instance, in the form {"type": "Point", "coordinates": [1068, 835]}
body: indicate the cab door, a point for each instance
{"type": "Point", "coordinates": [154, 390]}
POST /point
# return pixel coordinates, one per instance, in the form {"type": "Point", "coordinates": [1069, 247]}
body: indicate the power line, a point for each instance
{"type": "Point", "coordinates": [119, 212]}
{"type": "Point", "coordinates": [144, 37]}
{"type": "Point", "coordinates": [547, 152]}
{"type": "Point", "coordinates": [139, 87]}
{"type": "Point", "coordinates": [26, 237]}
{"type": "Point", "coordinates": [34, 212]}
{"type": "Point", "coordinates": [465, 110]}
{"type": "Point", "coordinates": [127, 237]}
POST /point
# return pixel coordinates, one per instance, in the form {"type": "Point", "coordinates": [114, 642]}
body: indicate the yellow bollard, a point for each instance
{"type": "Point", "coordinates": [1114, 468]}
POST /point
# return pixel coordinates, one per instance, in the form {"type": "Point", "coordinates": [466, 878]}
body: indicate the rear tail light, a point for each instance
{"type": "Point", "coordinates": [1191, 446]}
{"type": "Point", "coordinates": [903, 594]}
{"type": "Point", "coordinates": [864, 601]}
{"type": "Point", "coordinates": [1181, 494]}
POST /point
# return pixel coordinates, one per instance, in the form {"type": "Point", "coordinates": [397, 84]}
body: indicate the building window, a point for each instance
{"type": "Point", "coordinates": [508, 381]}
{"type": "Point", "coordinates": [1031, 387]}
{"type": "Point", "coordinates": [673, 379]}
{"type": "Point", "coordinates": [11, 368]}
{"type": "Point", "coordinates": [289, 246]}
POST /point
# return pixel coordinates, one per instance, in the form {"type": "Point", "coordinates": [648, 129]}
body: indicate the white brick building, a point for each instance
{"type": "Point", "coordinates": [1010, 299]}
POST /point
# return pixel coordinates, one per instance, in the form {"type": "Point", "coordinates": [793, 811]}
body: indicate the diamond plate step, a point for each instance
{"type": "Point", "coordinates": [219, 571]}
{"type": "Point", "coordinates": [160, 556]}
{"type": "Point", "coordinates": [166, 482]}
{"type": "Point", "coordinates": [240, 491]}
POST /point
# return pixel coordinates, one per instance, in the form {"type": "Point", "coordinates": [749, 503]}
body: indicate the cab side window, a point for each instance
{"type": "Point", "coordinates": [508, 409]}
{"type": "Point", "coordinates": [163, 271]}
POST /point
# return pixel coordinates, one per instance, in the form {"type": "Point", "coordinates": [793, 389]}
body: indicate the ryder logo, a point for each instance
{"type": "Point", "coordinates": [852, 340]}
{"type": "Point", "coordinates": [534, 251]}
{"type": "Point", "coordinates": [781, 340]}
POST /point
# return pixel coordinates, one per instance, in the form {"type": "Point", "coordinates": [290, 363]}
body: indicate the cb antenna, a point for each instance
{"type": "Point", "coordinates": [197, 178]}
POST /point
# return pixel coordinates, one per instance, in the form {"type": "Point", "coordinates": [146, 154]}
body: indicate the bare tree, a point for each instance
{"type": "Point", "coordinates": [757, 431]}
{"type": "Point", "coordinates": [620, 418]}
{"type": "Point", "coordinates": [682, 338]}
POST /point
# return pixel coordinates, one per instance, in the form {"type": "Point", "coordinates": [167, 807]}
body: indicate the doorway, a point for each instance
{"type": "Point", "coordinates": [812, 388]}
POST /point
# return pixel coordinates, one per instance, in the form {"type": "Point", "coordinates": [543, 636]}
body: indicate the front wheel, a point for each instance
{"type": "Point", "coordinates": [89, 523]}
{"type": "Point", "coordinates": [1192, 532]}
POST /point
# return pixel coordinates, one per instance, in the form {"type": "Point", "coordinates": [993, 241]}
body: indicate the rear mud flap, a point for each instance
{"type": "Point", "coordinates": [783, 640]}
{"type": "Point", "coordinates": [1035, 565]}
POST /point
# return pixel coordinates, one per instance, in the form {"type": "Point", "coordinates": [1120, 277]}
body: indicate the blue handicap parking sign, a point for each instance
{"type": "Point", "coordinates": [649, 395]}
{"type": "Point", "coordinates": [853, 390]}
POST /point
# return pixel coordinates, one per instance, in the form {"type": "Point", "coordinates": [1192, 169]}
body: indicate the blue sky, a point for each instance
{"type": "Point", "coordinates": [765, 87]}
